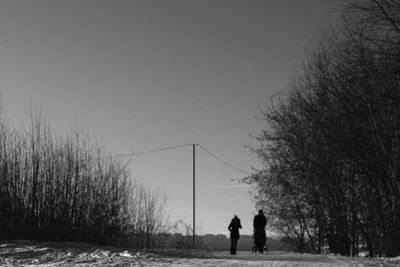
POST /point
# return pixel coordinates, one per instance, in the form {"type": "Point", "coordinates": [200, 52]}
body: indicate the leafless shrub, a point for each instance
{"type": "Point", "coordinates": [68, 189]}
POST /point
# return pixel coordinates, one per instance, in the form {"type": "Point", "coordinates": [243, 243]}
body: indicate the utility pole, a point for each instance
{"type": "Point", "coordinates": [194, 195]}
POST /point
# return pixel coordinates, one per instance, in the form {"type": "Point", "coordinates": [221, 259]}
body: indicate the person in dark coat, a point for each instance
{"type": "Point", "coordinates": [260, 237]}
{"type": "Point", "coordinates": [234, 227]}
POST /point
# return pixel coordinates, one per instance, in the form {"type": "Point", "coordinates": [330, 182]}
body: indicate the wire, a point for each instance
{"type": "Point", "coordinates": [224, 162]}
{"type": "Point", "coordinates": [175, 147]}
{"type": "Point", "coordinates": [145, 152]}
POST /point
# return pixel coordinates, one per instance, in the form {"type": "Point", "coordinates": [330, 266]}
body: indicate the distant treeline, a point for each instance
{"type": "Point", "coordinates": [246, 242]}
{"type": "Point", "coordinates": [68, 189]}
{"type": "Point", "coordinates": [331, 147]}
{"type": "Point", "coordinates": [218, 242]}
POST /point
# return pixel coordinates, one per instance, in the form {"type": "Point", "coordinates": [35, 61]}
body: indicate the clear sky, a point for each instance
{"type": "Point", "coordinates": [140, 75]}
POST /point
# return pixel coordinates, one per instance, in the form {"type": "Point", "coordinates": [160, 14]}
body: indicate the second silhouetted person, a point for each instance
{"type": "Point", "coordinates": [260, 237]}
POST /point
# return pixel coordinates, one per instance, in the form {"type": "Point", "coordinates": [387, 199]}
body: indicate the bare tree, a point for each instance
{"type": "Point", "coordinates": [332, 147]}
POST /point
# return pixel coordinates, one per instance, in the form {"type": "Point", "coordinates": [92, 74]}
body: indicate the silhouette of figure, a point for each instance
{"type": "Point", "coordinates": [260, 238]}
{"type": "Point", "coordinates": [234, 229]}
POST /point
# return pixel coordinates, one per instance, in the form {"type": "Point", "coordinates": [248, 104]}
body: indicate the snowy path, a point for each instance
{"type": "Point", "coordinates": [78, 254]}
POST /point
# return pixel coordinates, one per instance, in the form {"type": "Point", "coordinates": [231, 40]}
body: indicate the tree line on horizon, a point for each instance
{"type": "Point", "coordinates": [68, 189]}
{"type": "Point", "coordinates": [331, 145]}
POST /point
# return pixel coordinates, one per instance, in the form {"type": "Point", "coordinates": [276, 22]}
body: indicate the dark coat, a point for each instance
{"type": "Point", "coordinates": [259, 223]}
{"type": "Point", "coordinates": [234, 228]}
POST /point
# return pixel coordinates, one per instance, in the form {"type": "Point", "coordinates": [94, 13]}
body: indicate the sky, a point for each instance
{"type": "Point", "coordinates": [149, 74]}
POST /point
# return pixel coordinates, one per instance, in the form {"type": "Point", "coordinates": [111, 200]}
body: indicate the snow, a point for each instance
{"type": "Point", "coordinates": [24, 253]}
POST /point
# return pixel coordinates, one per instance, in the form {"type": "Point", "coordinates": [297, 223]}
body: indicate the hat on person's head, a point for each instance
{"type": "Point", "coordinates": [260, 211]}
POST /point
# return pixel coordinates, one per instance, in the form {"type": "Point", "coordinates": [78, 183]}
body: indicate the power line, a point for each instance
{"type": "Point", "coordinates": [175, 147]}
{"type": "Point", "coordinates": [222, 161]}
{"type": "Point", "coordinates": [145, 152]}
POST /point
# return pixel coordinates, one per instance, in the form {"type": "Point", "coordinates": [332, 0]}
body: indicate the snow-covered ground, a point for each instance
{"type": "Point", "coordinates": [80, 254]}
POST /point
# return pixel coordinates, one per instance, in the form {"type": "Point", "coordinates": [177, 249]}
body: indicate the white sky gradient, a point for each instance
{"type": "Point", "coordinates": [139, 75]}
